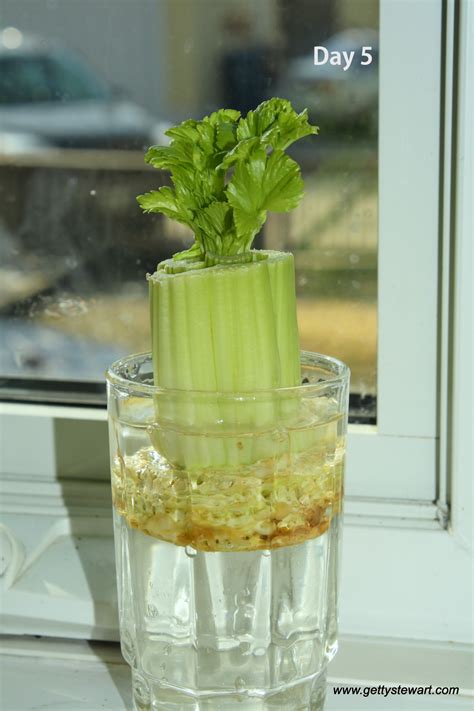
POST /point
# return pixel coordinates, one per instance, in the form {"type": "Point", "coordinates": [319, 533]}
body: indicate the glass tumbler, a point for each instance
{"type": "Point", "coordinates": [227, 510]}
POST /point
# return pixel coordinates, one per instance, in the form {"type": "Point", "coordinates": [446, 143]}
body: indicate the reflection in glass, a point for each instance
{"type": "Point", "coordinates": [83, 93]}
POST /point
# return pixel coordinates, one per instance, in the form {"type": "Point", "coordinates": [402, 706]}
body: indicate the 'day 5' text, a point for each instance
{"type": "Point", "coordinates": [342, 59]}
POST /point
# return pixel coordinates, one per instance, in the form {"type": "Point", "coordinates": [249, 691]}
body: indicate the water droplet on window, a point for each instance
{"type": "Point", "coordinates": [11, 38]}
{"type": "Point", "coordinates": [71, 262]}
{"type": "Point", "coordinates": [29, 360]}
{"type": "Point", "coordinates": [93, 192]}
{"type": "Point", "coordinates": [66, 307]}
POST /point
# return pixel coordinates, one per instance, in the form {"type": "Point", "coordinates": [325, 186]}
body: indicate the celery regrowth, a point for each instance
{"type": "Point", "coordinates": [227, 173]}
{"type": "Point", "coordinates": [223, 316]}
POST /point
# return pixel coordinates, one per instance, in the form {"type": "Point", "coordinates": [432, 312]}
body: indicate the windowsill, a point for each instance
{"type": "Point", "coordinates": [71, 675]}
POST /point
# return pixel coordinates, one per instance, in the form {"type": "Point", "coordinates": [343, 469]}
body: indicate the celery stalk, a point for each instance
{"type": "Point", "coordinates": [223, 316]}
{"type": "Point", "coordinates": [222, 329]}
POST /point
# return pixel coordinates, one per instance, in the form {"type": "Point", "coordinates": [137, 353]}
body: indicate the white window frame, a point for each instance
{"type": "Point", "coordinates": [407, 542]}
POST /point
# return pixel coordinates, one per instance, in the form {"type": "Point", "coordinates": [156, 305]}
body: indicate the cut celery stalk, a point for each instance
{"type": "Point", "coordinates": [282, 282]}
{"type": "Point", "coordinates": [223, 329]}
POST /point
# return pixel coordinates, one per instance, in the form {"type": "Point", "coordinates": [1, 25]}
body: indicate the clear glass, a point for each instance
{"type": "Point", "coordinates": [227, 512]}
{"type": "Point", "coordinates": [75, 118]}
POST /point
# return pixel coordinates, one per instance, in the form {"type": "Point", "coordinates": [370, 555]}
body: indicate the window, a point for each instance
{"type": "Point", "coordinates": [383, 259]}
{"type": "Point", "coordinates": [77, 247]}
{"type": "Point", "coordinates": [43, 78]}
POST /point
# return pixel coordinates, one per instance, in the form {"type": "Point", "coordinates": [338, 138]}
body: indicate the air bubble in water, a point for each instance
{"type": "Point", "coordinates": [240, 683]}
{"type": "Point", "coordinates": [242, 597]}
{"type": "Point", "coordinates": [190, 552]}
{"type": "Point", "coordinates": [245, 648]}
{"type": "Point", "coordinates": [132, 370]}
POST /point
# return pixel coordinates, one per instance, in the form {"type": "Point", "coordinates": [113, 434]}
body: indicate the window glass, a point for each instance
{"type": "Point", "coordinates": [87, 85]}
{"type": "Point", "coordinates": [42, 78]}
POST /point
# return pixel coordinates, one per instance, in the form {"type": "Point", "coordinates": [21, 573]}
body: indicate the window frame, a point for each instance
{"type": "Point", "coordinates": [418, 505]}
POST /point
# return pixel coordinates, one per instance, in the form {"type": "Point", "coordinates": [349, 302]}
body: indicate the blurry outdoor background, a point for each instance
{"type": "Point", "coordinates": [87, 85]}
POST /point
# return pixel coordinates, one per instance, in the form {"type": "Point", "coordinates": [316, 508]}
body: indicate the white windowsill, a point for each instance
{"type": "Point", "coordinates": [72, 675]}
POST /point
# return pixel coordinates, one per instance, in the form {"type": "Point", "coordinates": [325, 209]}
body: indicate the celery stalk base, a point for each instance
{"type": "Point", "coordinates": [223, 329]}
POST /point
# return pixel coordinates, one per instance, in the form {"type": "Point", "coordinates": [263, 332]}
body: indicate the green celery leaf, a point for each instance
{"type": "Point", "coordinates": [225, 122]}
{"type": "Point", "coordinates": [192, 193]}
{"type": "Point", "coordinates": [258, 121]}
{"type": "Point", "coordinates": [277, 123]}
{"type": "Point", "coordinates": [164, 201]}
{"type": "Point", "coordinates": [205, 145]}
{"type": "Point", "coordinates": [269, 183]}
{"type": "Point", "coordinates": [227, 171]}
{"type": "Point", "coordinates": [282, 185]}
{"type": "Point", "coordinates": [215, 217]}
{"type": "Point", "coordinates": [247, 225]}
{"type": "Point", "coordinates": [186, 130]}
{"type": "Point", "coordinates": [244, 188]}
{"type": "Point", "coordinates": [241, 152]}
{"type": "Point", "coordinates": [225, 136]}
{"type": "Point", "coordinates": [223, 116]}
{"type": "Point", "coordinates": [178, 154]}
{"type": "Point", "coordinates": [214, 222]}
{"type": "Point", "coordinates": [287, 129]}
